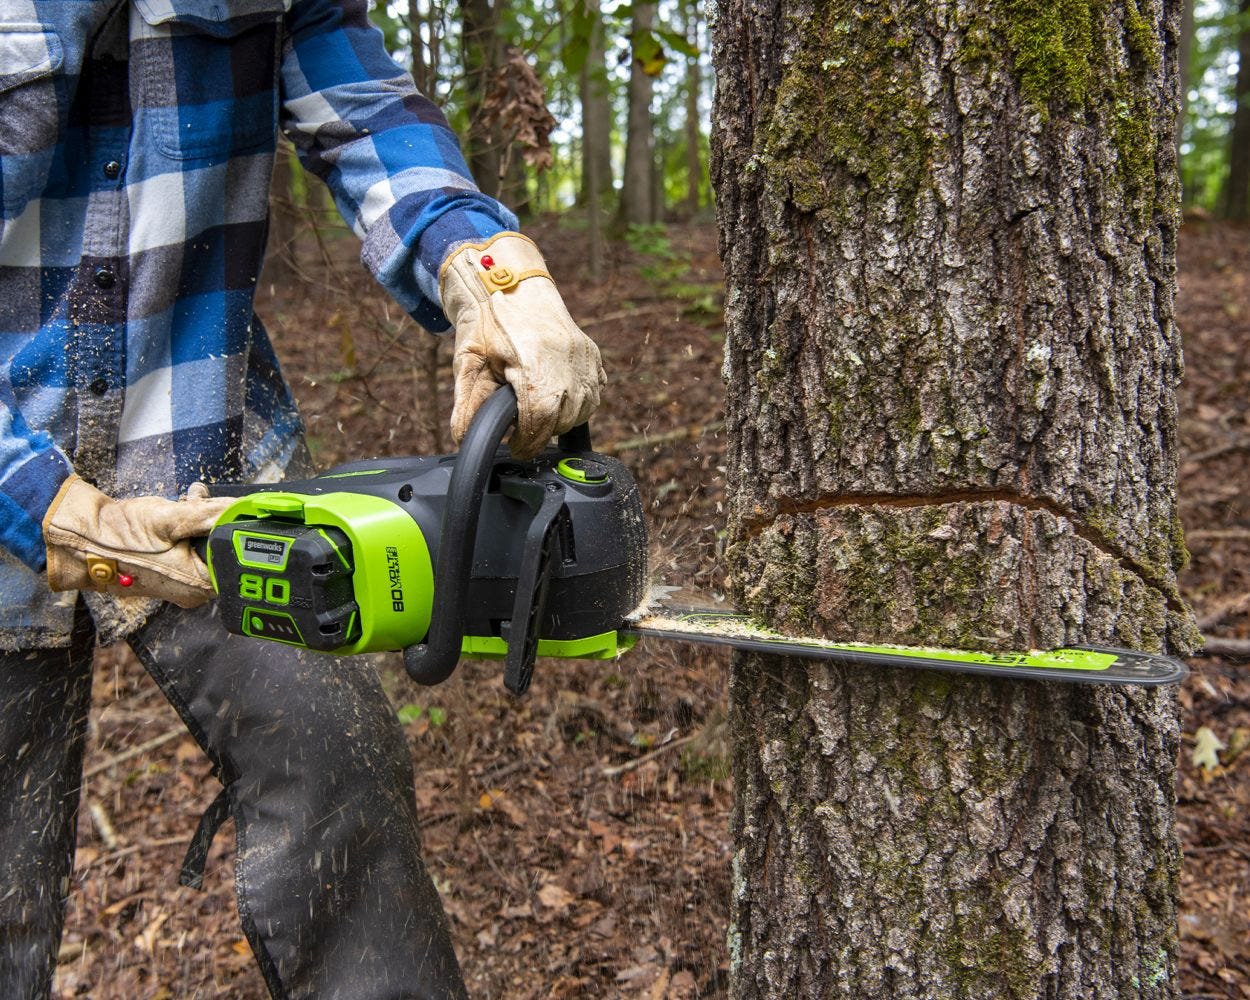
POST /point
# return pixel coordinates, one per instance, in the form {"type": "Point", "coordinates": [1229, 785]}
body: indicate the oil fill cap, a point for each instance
{"type": "Point", "coordinates": [583, 470]}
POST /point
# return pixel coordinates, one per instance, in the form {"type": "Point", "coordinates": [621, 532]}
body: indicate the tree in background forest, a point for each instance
{"type": "Point", "coordinates": [618, 78]}
{"type": "Point", "coordinates": [587, 55]}
{"type": "Point", "coordinates": [595, 93]}
{"type": "Point", "coordinates": [949, 233]}
{"type": "Point", "coordinates": [1237, 186]}
{"type": "Point", "coordinates": [1215, 143]}
{"type": "Point", "coordinates": [638, 183]}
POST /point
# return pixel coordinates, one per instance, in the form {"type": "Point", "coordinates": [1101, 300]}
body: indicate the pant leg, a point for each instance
{"type": "Point", "coordinates": [44, 699]}
{"type": "Point", "coordinates": [334, 896]}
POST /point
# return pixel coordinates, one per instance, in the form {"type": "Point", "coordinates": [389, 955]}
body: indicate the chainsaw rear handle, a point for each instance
{"type": "Point", "coordinates": [434, 660]}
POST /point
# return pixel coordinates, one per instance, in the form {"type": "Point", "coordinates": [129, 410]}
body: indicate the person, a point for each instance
{"type": "Point", "coordinates": [137, 139]}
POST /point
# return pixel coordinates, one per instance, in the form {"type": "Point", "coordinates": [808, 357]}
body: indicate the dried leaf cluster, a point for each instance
{"type": "Point", "coordinates": [516, 102]}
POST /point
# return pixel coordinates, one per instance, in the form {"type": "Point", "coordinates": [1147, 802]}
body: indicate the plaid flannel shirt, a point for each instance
{"type": "Point", "coordinates": [137, 140]}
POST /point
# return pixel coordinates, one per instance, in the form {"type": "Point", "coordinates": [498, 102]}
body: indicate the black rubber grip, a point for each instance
{"type": "Point", "coordinates": [575, 441]}
{"type": "Point", "coordinates": [434, 660]}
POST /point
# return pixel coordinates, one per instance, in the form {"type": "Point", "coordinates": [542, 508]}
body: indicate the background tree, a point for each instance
{"type": "Point", "coordinates": [638, 184]}
{"type": "Point", "coordinates": [693, 116]}
{"type": "Point", "coordinates": [425, 43]}
{"type": "Point", "coordinates": [1211, 102]}
{"type": "Point", "coordinates": [589, 63]}
{"type": "Point", "coordinates": [455, 50]}
{"type": "Point", "coordinates": [285, 217]}
{"type": "Point", "coordinates": [1184, 60]}
{"type": "Point", "coordinates": [949, 236]}
{"type": "Point", "coordinates": [481, 51]}
{"type": "Point", "coordinates": [1237, 186]}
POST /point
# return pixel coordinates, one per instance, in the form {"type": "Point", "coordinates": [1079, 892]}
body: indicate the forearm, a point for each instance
{"type": "Point", "coordinates": [386, 152]}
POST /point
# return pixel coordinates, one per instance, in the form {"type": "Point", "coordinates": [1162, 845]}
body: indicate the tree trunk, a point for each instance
{"type": "Point", "coordinates": [694, 134]}
{"type": "Point", "coordinates": [281, 252]}
{"type": "Point", "coordinates": [1185, 53]}
{"type": "Point", "coordinates": [637, 205]}
{"type": "Point", "coordinates": [596, 100]}
{"type": "Point", "coordinates": [1237, 188]}
{"type": "Point", "coordinates": [424, 45]}
{"type": "Point", "coordinates": [592, 189]}
{"type": "Point", "coordinates": [659, 157]}
{"type": "Point", "coordinates": [515, 187]}
{"type": "Point", "coordinates": [481, 52]}
{"type": "Point", "coordinates": [949, 236]}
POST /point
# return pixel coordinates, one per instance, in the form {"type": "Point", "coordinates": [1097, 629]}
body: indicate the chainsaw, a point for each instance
{"type": "Point", "coordinates": [481, 556]}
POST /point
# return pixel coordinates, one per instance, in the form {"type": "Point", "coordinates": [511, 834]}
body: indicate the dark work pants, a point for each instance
{"type": "Point", "coordinates": [333, 895]}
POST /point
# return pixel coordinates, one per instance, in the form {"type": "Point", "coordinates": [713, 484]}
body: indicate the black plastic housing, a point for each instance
{"type": "Point", "coordinates": [600, 570]}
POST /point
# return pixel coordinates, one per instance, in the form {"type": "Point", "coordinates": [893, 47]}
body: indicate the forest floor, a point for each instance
{"type": "Point", "coordinates": [580, 836]}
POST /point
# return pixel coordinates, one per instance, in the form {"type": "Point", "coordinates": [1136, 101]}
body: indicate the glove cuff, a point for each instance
{"type": "Point", "coordinates": [62, 524]}
{"type": "Point", "coordinates": [94, 542]}
{"type": "Point", "coordinates": [75, 507]}
{"type": "Point", "coordinates": [496, 265]}
{"type": "Point", "coordinates": [66, 571]}
{"type": "Point", "coordinates": [75, 485]}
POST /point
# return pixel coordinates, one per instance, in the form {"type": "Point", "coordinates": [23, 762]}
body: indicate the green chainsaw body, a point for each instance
{"type": "Point", "coordinates": [347, 562]}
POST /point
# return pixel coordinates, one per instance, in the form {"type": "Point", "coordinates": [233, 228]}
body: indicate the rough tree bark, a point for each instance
{"type": "Point", "coordinates": [949, 237]}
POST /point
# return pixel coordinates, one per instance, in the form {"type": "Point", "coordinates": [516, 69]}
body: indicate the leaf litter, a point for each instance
{"type": "Point", "coordinates": [558, 880]}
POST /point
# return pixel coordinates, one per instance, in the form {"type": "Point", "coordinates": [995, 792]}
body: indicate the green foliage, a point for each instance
{"type": "Point", "coordinates": [411, 713]}
{"type": "Point", "coordinates": [664, 264]}
{"type": "Point", "coordinates": [556, 37]}
{"type": "Point", "coordinates": [666, 269]}
{"type": "Point", "coordinates": [651, 48]}
{"type": "Point", "coordinates": [582, 23]}
{"type": "Point", "coordinates": [393, 25]}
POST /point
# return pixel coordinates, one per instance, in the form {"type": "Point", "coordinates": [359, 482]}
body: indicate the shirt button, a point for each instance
{"type": "Point", "coordinates": [99, 386]}
{"type": "Point", "coordinates": [112, 170]}
{"type": "Point", "coordinates": [105, 278]}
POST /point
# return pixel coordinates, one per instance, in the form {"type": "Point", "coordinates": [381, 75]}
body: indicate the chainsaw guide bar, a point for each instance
{"type": "Point", "coordinates": [1077, 664]}
{"type": "Point", "coordinates": [481, 555]}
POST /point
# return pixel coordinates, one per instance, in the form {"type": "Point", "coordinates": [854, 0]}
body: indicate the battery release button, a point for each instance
{"type": "Point", "coordinates": [583, 470]}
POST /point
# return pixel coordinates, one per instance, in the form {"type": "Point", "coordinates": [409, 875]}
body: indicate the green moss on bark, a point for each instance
{"type": "Point", "coordinates": [848, 98]}
{"type": "Point", "coordinates": [1064, 51]}
{"type": "Point", "coordinates": [1074, 57]}
{"type": "Point", "coordinates": [941, 579]}
{"type": "Point", "coordinates": [1053, 49]}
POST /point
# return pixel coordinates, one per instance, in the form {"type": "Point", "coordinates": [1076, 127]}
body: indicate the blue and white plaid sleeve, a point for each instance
{"type": "Point", "coordinates": [32, 469]}
{"type": "Point", "coordinates": [387, 153]}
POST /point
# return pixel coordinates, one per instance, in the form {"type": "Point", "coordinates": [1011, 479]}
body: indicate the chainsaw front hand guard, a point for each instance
{"type": "Point", "coordinates": [434, 660]}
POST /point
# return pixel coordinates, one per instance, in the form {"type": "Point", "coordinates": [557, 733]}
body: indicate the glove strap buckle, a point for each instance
{"type": "Point", "coordinates": [499, 278]}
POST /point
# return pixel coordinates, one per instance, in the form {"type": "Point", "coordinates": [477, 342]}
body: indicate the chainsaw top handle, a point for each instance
{"type": "Point", "coordinates": [435, 659]}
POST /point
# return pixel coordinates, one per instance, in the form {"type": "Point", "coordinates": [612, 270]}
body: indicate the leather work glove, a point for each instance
{"type": "Point", "coordinates": [512, 327]}
{"type": "Point", "coordinates": [130, 548]}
